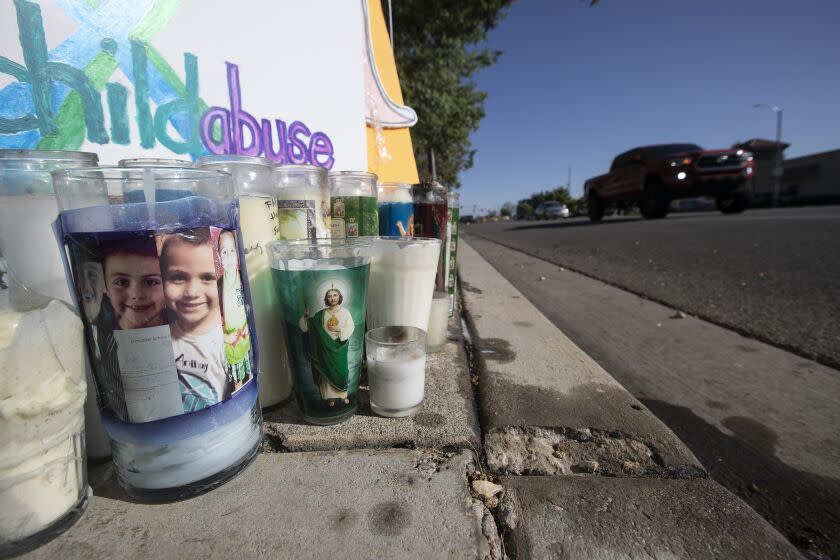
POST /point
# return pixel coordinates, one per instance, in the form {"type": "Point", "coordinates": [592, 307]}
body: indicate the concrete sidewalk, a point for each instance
{"type": "Point", "coordinates": [620, 484]}
{"type": "Point", "coordinates": [564, 463]}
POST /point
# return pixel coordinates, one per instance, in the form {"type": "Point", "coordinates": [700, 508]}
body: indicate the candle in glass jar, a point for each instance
{"type": "Point", "coordinates": [396, 368]}
{"type": "Point", "coordinates": [438, 319]}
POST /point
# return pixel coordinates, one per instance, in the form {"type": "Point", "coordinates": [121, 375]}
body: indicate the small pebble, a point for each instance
{"type": "Point", "coordinates": [542, 278]}
{"type": "Point", "coordinates": [678, 315]}
{"type": "Point", "coordinates": [486, 489]}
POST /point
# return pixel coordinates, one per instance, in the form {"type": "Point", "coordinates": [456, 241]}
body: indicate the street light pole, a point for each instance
{"type": "Point", "coordinates": [777, 171]}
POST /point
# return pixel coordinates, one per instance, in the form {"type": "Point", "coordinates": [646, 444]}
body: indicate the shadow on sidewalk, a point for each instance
{"type": "Point", "coordinates": [803, 506]}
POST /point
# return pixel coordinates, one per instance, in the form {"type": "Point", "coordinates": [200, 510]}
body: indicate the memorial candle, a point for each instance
{"type": "Point", "coordinates": [175, 370]}
{"type": "Point", "coordinates": [255, 191]}
{"type": "Point", "coordinates": [396, 368]}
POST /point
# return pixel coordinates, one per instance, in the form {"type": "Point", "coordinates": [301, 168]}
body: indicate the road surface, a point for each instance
{"type": "Point", "coordinates": [772, 274]}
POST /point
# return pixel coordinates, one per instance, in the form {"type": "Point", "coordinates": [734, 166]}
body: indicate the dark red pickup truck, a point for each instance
{"type": "Point", "coordinates": [652, 176]}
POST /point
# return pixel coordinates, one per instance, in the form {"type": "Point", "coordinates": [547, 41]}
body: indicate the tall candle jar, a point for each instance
{"type": "Point", "coordinates": [303, 202]}
{"type": "Point", "coordinates": [430, 220]}
{"type": "Point", "coordinates": [353, 210]}
{"type": "Point", "coordinates": [402, 280]}
{"type": "Point", "coordinates": [154, 162]}
{"type": "Point", "coordinates": [396, 210]}
{"type": "Point", "coordinates": [171, 345]}
{"type": "Point", "coordinates": [322, 285]}
{"type": "Point", "coordinates": [453, 203]}
{"type": "Point", "coordinates": [254, 186]}
{"type": "Point", "coordinates": [43, 484]}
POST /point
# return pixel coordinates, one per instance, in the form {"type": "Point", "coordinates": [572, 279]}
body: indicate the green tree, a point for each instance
{"type": "Point", "coordinates": [523, 209]}
{"type": "Point", "coordinates": [507, 209]}
{"type": "Point", "coordinates": [437, 46]}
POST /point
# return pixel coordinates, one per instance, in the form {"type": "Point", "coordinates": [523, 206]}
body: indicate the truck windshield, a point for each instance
{"type": "Point", "coordinates": [668, 149]}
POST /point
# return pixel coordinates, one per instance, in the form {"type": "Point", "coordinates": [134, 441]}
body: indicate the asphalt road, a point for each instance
{"type": "Point", "coordinates": [771, 274]}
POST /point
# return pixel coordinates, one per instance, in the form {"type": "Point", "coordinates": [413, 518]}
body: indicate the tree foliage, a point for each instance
{"type": "Point", "coordinates": [524, 209]}
{"type": "Point", "coordinates": [437, 46]}
{"type": "Point", "coordinates": [507, 209]}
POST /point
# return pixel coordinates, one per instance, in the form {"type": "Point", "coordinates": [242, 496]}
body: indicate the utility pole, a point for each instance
{"type": "Point", "coordinates": [432, 159]}
{"type": "Point", "coordinates": [777, 168]}
{"type": "Point", "coordinates": [569, 182]}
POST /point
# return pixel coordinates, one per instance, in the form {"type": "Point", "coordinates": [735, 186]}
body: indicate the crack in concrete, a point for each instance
{"type": "Point", "coordinates": [576, 451]}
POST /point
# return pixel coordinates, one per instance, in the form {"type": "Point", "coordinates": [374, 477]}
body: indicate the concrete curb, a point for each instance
{"type": "Point", "coordinates": [548, 409]}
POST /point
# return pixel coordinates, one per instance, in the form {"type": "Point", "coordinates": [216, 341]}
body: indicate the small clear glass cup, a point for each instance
{"type": "Point", "coordinates": [322, 289]}
{"type": "Point", "coordinates": [396, 369]}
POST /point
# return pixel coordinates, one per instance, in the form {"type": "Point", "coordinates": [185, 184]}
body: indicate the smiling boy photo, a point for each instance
{"type": "Point", "coordinates": [191, 292]}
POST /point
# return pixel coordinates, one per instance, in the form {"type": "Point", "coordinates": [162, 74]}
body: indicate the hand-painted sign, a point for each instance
{"type": "Point", "coordinates": [281, 79]}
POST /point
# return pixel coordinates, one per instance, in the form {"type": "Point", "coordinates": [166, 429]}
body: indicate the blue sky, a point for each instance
{"type": "Point", "coordinates": [577, 85]}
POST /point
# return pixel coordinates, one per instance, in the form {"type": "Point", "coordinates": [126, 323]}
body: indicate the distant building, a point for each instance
{"type": "Point", "coordinates": [811, 179]}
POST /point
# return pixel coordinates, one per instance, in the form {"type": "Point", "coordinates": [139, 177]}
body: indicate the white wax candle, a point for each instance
{"type": "Point", "coordinates": [42, 396]}
{"type": "Point", "coordinates": [438, 319]}
{"type": "Point", "coordinates": [29, 246]}
{"type": "Point", "coordinates": [396, 386]}
{"type": "Point", "coordinates": [401, 284]}
{"type": "Point", "coordinates": [259, 227]}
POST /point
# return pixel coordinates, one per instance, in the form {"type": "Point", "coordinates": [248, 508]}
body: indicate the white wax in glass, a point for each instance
{"type": "Point", "coordinates": [259, 227]}
{"type": "Point", "coordinates": [396, 386]}
{"type": "Point", "coordinates": [155, 466]}
{"type": "Point", "coordinates": [42, 396]}
{"type": "Point", "coordinates": [401, 285]}
{"type": "Point", "coordinates": [29, 246]}
{"type": "Point", "coordinates": [438, 319]}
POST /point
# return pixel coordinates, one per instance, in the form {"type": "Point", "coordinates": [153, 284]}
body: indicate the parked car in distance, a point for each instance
{"type": "Point", "coordinates": [653, 176]}
{"type": "Point", "coordinates": [551, 210]}
{"type": "Point", "coordinates": [467, 219]}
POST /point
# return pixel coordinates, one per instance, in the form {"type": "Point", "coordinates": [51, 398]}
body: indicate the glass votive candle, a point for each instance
{"type": "Point", "coordinates": [303, 202]}
{"type": "Point", "coordinates": [176, 375]}
{"type": "Point", "coordinates": [353, 204]}
{"type": "Point", "coordinates": [396, 369]}
{"type": "Point", "coordinates": [254, 187]}
{"type": "Point", "coordinates": [396, 210]}
{"type": "Point", "coordinates": [402, 277]}
{"type": "Point", "coordinates": [438, 319]}
{"type": "Point", "coordinates": [322, 288]}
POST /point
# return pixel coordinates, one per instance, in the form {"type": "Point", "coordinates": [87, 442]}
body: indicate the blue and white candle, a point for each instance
{"type": "Point", "coordinates": [171, 338]}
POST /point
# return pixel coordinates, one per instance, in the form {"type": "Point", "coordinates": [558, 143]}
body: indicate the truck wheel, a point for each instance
{"type": "Point", "coordinates": [731, 204]}
{"type": "Point", "coordinates": [595, 207]}
{"type": "Point", "coordinates": [654, 202]}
